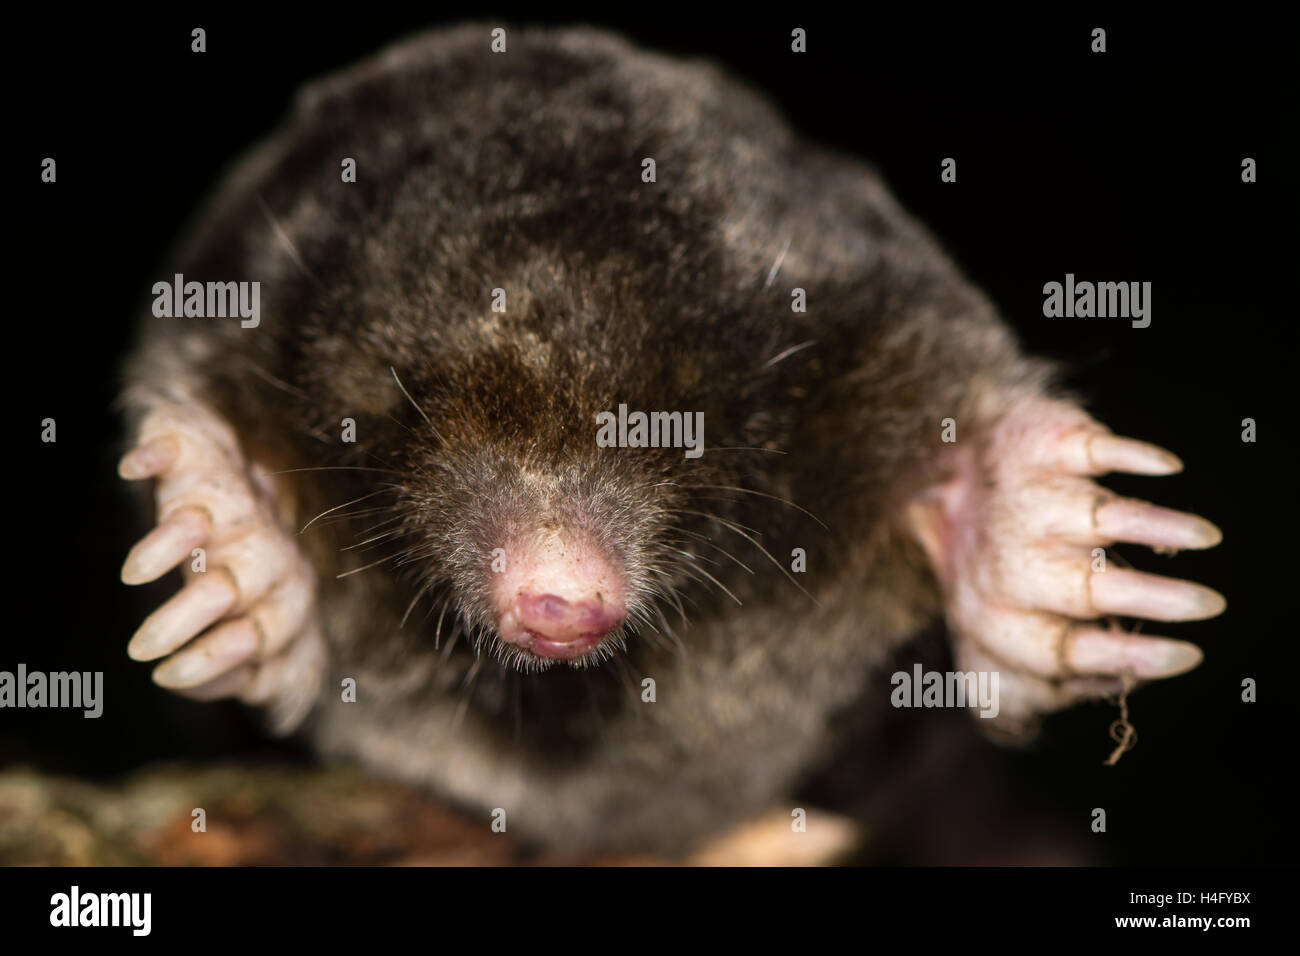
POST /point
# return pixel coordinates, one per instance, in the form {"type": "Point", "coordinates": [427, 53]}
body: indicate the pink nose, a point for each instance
{"type": "Point", "coordinates": [558, 596]}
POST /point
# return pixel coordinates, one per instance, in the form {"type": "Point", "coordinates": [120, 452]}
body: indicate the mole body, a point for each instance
{"type": "Point", "coordinates": [597, 489]}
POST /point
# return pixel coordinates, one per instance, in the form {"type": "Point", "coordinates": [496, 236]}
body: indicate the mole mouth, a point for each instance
{"type": "Point", "coordinates": [552, 649]}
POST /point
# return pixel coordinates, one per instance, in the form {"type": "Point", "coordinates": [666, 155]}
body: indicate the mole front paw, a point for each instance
{"type": "Point", "coordinates": [245, 623]}
{"type": "Point", "coordinates": [1017, 538]}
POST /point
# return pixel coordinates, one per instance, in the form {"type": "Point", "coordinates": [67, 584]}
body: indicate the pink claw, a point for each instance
{"type": "Point", "coordinates": [1096, 651]}
{"type": "Point", "coordinates": [166, 545]}
{"type": "Point", "coordinates": [199, 604]}
{"type": "Point", "coordinates": [207, 658]}
{"type": "Point", "coordinates": [1137, 594]}
{"type": "Point", "coordinates": [147, 460]}
{"type": "Point", "coordinates": [1136, 521]}
{"type": "Point", "coordinates": [1112, 453]}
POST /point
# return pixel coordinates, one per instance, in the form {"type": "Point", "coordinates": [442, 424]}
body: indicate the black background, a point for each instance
{"type": "Point", "coordinates": [1119, 166]}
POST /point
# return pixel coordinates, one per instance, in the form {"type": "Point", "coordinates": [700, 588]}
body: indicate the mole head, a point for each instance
{"type": "Point", "coordinates": [544, 546]}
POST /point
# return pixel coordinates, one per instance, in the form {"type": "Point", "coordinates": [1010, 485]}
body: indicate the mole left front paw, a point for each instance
{"type": "Point", "coordinates": [245, 625]}
{"type": "Point", "coordinates": [1013, 538]}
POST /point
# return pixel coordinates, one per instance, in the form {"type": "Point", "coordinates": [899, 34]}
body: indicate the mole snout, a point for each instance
{"type": "Point", "coordinates": [558, 595]}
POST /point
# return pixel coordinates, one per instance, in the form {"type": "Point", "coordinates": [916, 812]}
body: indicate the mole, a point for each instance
{"type": "Point", "coordinates": [406, 534]}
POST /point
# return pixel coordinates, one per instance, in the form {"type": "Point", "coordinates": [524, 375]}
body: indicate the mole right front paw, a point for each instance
{"type": "Point", "coordinates": [245, 623]}
{"type": "Point", "coordinates": [1018, 535]}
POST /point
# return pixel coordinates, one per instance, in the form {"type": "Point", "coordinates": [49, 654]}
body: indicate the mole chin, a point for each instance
{"type": "Point", "coordinates": [558, 596]}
